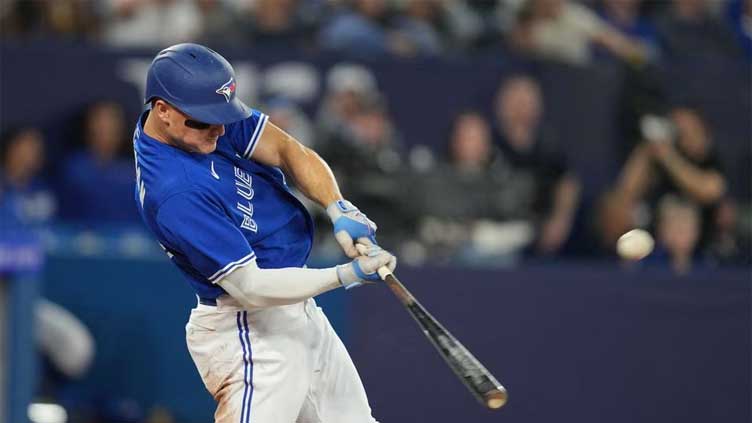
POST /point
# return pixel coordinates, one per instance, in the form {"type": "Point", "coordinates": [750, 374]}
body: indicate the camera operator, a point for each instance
{"type": "Point", "coordinates": [675, 157]}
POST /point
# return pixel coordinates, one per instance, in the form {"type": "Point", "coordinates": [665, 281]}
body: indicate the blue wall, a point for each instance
{"type": "Point", "coordinates": [136, 311]}
{"type": "Point", "coordinates": [591, 342]}
{"type": "Point", "coordinates": [576, 343]}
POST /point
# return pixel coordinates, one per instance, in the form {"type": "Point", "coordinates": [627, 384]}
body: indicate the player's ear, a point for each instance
{"type": "Point", "coordinates": [162, 110]}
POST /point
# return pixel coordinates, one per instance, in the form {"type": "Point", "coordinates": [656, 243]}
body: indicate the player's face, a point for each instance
{"type": "Point", "coordinates": [192, 135]}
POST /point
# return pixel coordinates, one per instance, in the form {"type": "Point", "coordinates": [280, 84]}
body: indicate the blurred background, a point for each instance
{"type": "Point", "coordinates": [502, 146]}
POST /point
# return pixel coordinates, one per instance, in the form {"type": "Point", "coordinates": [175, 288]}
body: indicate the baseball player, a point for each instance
{"type": "Point", "coordinates": [210, 185]}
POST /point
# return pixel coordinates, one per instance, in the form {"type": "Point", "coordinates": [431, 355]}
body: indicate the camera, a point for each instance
{"type": "Point", "coordinates": [657, 129]}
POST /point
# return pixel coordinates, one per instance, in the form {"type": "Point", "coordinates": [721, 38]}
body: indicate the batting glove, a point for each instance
{"type": "Point", "coordinates": [350, 226]}
{"type": "Point", "coordinates": [364, 269]}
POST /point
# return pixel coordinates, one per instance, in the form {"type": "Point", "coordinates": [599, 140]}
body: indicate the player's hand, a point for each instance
{"type": "Point", "coordinates": [351, 226]}
{"type": "Point", "coordinates": [364, 269]}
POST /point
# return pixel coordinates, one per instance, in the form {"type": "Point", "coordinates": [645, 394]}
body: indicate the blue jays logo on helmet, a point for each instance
{"type": "Point", "coordinates": [227, 89]}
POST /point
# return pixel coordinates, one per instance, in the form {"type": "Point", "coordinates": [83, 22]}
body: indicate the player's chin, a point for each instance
{"type": "Point", "coordinates": [209, 146]}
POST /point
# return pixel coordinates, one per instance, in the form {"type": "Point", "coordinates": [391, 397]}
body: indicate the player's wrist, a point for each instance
{"type": "Point", "coordinates": [338, 208]}
{"type": "Point", "coordinates": [347, 275]}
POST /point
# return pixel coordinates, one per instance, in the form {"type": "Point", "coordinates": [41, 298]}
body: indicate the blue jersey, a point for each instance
{"type": "Point", "coordinates": [213, 213]}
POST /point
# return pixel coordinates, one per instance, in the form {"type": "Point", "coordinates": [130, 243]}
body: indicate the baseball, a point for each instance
{"type": "Point", "coordinates": [635, 245]}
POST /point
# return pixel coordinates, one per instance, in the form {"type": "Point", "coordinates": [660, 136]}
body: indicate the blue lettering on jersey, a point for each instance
{"type": "Point", "coordinates": [244, 188]}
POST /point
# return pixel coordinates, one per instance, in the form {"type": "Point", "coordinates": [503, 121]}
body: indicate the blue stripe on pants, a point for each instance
{"type": "Point", "coordinates": [249, 383]}
{"type": "Point", "coordinates": [247, 368]}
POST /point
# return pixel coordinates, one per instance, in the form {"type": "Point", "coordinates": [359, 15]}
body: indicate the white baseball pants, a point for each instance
{"type": "Point", "coordinates": [276, 365]}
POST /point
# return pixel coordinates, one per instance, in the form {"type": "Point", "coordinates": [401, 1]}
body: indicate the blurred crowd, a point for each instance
{"type": "Point", "coordinates": [502, 188]}
{"type": "Point", "coordinates": [570, 31]}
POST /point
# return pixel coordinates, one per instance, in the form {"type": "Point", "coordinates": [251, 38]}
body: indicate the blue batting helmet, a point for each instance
{"type": "Point", "coordinates": [198, 81]}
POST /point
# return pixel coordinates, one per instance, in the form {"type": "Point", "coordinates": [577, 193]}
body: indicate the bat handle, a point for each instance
{"type": "Point", "coordinates": [384, 272]}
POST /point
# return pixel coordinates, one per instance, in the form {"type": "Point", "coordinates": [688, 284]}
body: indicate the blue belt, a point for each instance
{"type": "Point", "coordinates": [208, 301]}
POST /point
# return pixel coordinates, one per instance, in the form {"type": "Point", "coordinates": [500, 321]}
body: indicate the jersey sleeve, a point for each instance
{"type": "Point", "coordinates": [244, 135]}
{"type": "Point", "coordinates": [201, 231]}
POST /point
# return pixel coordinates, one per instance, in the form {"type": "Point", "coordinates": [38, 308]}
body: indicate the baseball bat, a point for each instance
{"type": "Point", "coordinates": [481, 383]}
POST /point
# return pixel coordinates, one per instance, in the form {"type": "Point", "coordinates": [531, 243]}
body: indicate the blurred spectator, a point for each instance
{"type": "Point", "coordinates": [418, 26]}
{"type": "Point", "coordinates": [23, 160]}
{"type": "Point", "coordinates": [435, 27]}
{"type": "Point", "coordinates": [624, 15]}
{"type": "Point", "coordinates": [73, 19]}
{"type": "Point", "coordinates": [728, 243]}
{"type": "Point", "coordinates": [370, 160]}
{"type": "Point", "coordinates": [739, 14]}
{"type": "Point", "coordinates": [675, 157]}
{"type": "Point", "coordinates": [545, 190]}
{"type": "Point", "coordinates": [21, 18]}
{"type": "Point", "coordinates": [474, 26]}
{"type": "Point", "coordinates": [461, 201]}
{"type": "Point", "coordinates": [368, 142]}
{"type": "Point", "coordinates": [158, 23]}
{"type": "Point", "coordinates": [290, 118]}
{"type": "Point", "coordinates": [275, 23]}
{"type": "Point", "coordinates": [369, 29]}
{"type": "Point", "coordinates": [564, 31]}
{"type": "Point", "coordinates": [360, 30]}
{"type": "Point", "coordinates": [97, 183]}
{"type": "Point", "coordinates": [518, 195]}
{"type": "Point", "coordinates": [470, 144]}
{"type": "Point", "coordinates": [221, 23]}
{"type": "Point", "coordinates": [348, 88]}
{"type": "Point", "coordinates": [678, 231]}
{"type": "Point", "coordinates": [467, 27]}
{"type": "Point", "coordinates": [690, 30]}
{"type": "Point", "coordinates": [510, 196]}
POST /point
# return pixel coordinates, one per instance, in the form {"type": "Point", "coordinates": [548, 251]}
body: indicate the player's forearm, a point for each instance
{"type": "Point", "coordinates": [254, 287]}
{"type": "Point", "coordinates": [311, 174]}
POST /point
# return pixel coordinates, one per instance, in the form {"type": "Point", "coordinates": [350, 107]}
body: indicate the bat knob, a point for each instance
{"type": "Point", "coordinates": [495, 399]}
